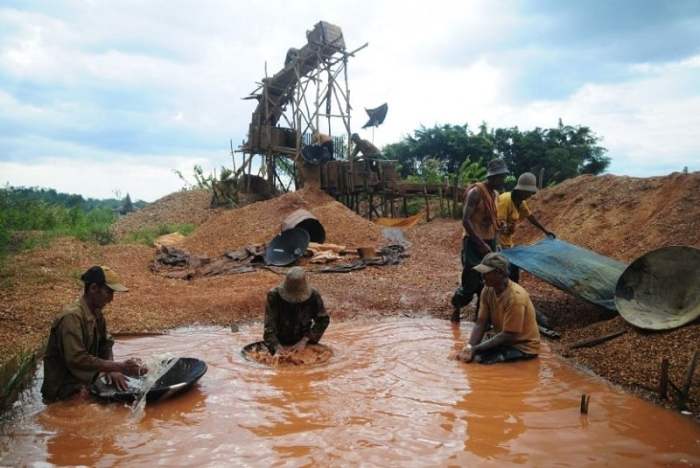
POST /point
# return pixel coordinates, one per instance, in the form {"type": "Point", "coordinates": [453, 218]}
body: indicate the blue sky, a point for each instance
{"type": "Point", "coordinates": [102, 96]}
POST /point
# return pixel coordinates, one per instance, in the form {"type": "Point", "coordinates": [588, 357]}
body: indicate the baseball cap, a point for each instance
{"type": "Point", "coordinates": [103, 275]}
{"type": "Point", "coordinates": [493, 261]}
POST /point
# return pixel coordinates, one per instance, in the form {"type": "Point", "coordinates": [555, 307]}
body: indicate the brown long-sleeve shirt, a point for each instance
{"type": "Point", "coordinates": [77, 343]}
{"type": "Point", "coordinates": [286, 323]}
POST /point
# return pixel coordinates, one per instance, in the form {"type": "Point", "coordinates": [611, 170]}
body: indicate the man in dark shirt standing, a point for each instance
{"type": "Point", "coordinates": [294, 315]}
{"type": "Point", "coordinates": [79, 346]}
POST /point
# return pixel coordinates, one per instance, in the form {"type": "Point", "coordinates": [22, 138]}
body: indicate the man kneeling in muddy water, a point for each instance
{"type": "Point", "coordinates": [507, 306]}
{"type": "Point", "coordinates": [79, 347]}
{"type": "Point", "coordinates": [294, 315]}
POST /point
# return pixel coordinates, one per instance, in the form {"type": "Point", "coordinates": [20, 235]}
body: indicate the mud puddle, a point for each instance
{"type": "Point", "coordinates": [389, 396]}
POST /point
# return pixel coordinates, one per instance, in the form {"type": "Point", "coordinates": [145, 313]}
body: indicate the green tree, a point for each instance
{"type": "Point", "coordinates": [449, 144]}
{"type": "Point", "coordinates": [127, 205]}
{"type": "Point", "coordinates": [564, 151]}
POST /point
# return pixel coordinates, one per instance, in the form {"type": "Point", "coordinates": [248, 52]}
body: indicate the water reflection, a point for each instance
{"type": "Point", "coordinates": [296, 404]}
{"type": "Point", "coordinates": [389, 397]}
{"type": "Point", "coordinates": [80, 435]}
{"type": "Point", "coordinates": [493, 412]}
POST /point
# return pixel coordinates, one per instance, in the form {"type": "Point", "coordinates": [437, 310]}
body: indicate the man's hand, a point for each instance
{"type": "Point", "coordinates": [133, 367]}
{"type": "Point", "coordinates": [467, 354]}
{"type": "Point", "coordinates": [300, 345]}
{"type": "Point", "coordinates": [283, 351]}
{"type": "Point", "coordinates": [118, 380]}
{"type": "Point", "coordinates": [507, 228]}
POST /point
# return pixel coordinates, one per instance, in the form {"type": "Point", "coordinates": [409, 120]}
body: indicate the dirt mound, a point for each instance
{"type": "Point", "coordinates": [186, 207]}
{"type": "Point", "coordinates": [260, 222]}
{"type": "Point", "coordinates": [621, 217]}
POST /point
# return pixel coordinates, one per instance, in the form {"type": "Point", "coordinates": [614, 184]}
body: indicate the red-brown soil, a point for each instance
{"type": "Point", "coordinates": [35, 284]}
{"type": "Point", "coordinates": [260, 222]}
{"type": "Point", "coordinates": [621, 217]}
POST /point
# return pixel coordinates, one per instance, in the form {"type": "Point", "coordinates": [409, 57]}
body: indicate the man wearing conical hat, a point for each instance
{"type": "Point", "coordinates": [294, 315]}
{"type": "Point", "coordinates": [512, 209]}
{"type": "Point", "coordinates": [79, 347]}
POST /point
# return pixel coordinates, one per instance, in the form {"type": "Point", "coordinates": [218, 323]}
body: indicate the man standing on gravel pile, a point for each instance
{"type": "Point", "coordinates": [506, 306]}
{"type": "Point", "coordinates": [480, 223]}
{"type": "Point", "coordinates": [79, 346]}
{"type": "Point", "coordinates": [294, 315]}
{"type": "Point", "coordinates": [512, 208]}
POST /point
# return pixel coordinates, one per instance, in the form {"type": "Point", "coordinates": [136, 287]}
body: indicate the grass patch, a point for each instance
{"type": "Point", "coordinates": [15, 375]}
{"type": "Point", "coordinates": [28, 223]}
{"type": "Point", "coordinates": [147, 236]}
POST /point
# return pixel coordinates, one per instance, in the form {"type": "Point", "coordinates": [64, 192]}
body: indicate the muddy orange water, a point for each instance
{"type": "Point", "coordinates": [389, 396]}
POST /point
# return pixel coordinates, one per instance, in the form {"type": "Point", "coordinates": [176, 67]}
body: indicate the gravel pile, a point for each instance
{"type": "Point", "coordinates": [260, 222]}
{"type": "Point", "coordinates": [186, 207]}
{"type": "Point", "coordinates": [631, 216]}
{"type": "Point", "coordinates": [621, 217]}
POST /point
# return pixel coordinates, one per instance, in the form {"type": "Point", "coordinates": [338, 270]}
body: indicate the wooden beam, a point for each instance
{"type": "Point", "coordinates": [455, 212]}
{"type": "Point", "coordinates": [597, 340]}
{"type": "Point", "coordinates": [427, 204]}
{"type": "Point", "coordinates": [685, 390]}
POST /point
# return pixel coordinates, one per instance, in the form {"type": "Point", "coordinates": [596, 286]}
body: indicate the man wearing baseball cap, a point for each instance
{"type": "Point", "coordinates": [507, 306]}
{"type": "Point", "coordinates": [79, 347]}
{"type": "Point", "coordinates": [480, 223]}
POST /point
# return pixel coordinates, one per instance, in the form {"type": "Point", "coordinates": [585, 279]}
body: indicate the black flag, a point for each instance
{"type": "Point", "coordinates": [376, 116]}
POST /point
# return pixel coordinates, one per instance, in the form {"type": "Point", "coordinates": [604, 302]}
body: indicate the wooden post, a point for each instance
{"type": "Point", "coordinates": [685, 390]}
{"type": "Point", "coordinates": [374, 209]}
{"type": "Point", "coordinates": [450, 210]}
{"type": "Point", "coordinates": [405, 207]}
{"type": "Point", "coordinates": [427, 203]}
{"type": "Point", "coordinates": [371, 206]}
{"type": "Point", "coordinates": [442, 208]}
{"type": "Point", "coordinates": [585, 399]}
{"type": "Point", "coordinates": [540, 182]}
{"type": "Point", "coordinates": [455, 196]}
{"type": "Point", "coordinates": [663, 379]}
{"type": "Point", "coordinates": [250, 171]}
{"type": "Point", "coordinates": [233, 155]}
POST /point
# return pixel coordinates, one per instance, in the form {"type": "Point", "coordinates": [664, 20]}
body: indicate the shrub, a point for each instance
{"type": "Point", "coordinates": [147, 236]}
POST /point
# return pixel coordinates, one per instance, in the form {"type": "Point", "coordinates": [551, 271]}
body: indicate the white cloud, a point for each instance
{"type": "Point", "coordinates": [649, 124]}
{"type": "Point", "coordinates": [171, 75]}
{"type": "Point", "coordinates": [144, 180]}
